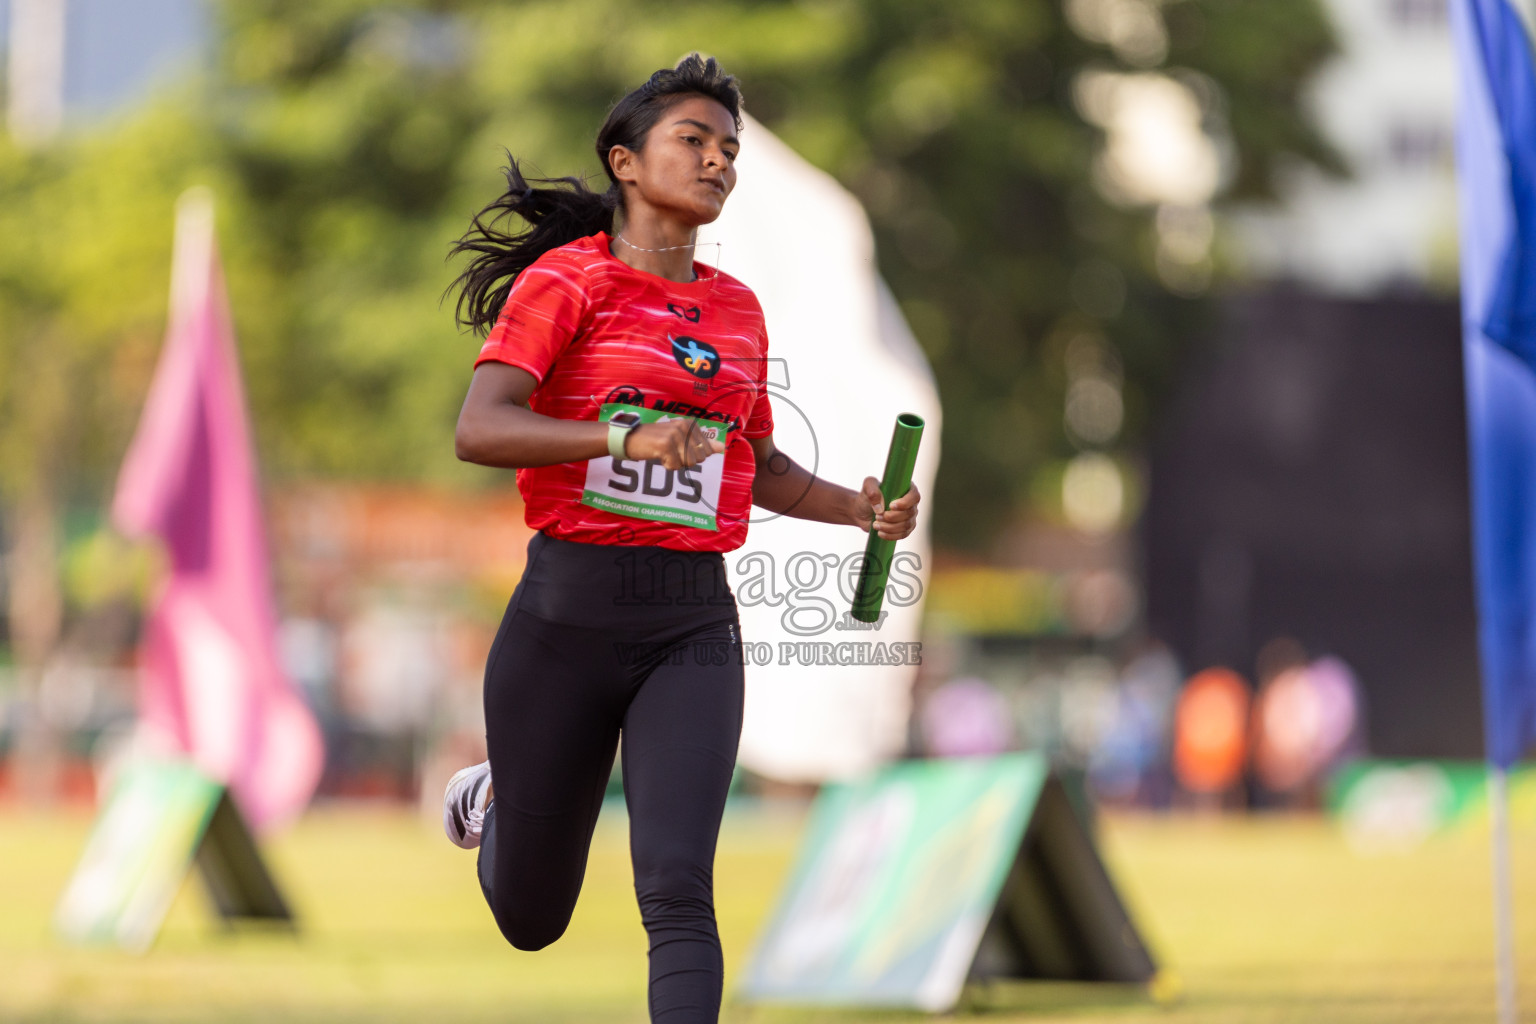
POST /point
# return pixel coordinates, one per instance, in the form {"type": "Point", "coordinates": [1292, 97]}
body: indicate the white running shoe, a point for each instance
{"type": "Point", "coordinates": [464, 804]}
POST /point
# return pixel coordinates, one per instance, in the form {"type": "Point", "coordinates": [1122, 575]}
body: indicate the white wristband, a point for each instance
{"type": "Point", "coordinates": [617, 432]}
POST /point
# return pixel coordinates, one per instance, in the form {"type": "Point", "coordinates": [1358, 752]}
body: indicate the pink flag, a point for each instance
{"type": "Point", "coordinates": [212, 687]}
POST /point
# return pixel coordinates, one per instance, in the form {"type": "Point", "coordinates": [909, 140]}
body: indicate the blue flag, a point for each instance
{"type": "Point", "coordinates": [1496, 163]}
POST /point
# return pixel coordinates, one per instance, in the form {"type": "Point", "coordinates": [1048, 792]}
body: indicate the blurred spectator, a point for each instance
{"type": "Point", "coordinates": [1130, 762]}
{"type": "Point", "coordinates": [965, 717]}
{"type": "Point", "coordinates": [395, 658]}
{"type": "Point", "coordinates": [1211, 733]}
{"type": "Point", "coordinates": [1089, 708]}
{"type": "Point", "coordinates": [309, 650]}
{"type": "Point", "coordinates": [1342, 706]}
{"type": "Point", "coordinates": [1305, 719]}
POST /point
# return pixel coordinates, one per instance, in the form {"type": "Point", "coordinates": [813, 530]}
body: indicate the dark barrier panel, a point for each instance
{"type": "Point", "coordinates": [1310, 480]}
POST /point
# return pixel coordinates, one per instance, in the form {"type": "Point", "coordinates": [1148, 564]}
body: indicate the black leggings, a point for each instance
{"type": "Point", "coordinates": [599, 640]}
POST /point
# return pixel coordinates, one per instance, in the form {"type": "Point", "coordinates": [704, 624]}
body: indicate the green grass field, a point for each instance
{"type": "Point", "coordinates": [1266, 919]}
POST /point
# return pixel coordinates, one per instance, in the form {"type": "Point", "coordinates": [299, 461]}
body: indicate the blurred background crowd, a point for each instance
{"type": "Point", "coordinates": [1184, 270]}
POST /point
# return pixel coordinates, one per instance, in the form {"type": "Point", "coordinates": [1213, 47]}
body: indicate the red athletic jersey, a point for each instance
{"type": "Point", "coordinates": [596, 332]}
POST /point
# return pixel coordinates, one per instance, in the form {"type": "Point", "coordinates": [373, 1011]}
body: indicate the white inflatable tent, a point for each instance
{"type": "Point", "coordinates": [844, 365]}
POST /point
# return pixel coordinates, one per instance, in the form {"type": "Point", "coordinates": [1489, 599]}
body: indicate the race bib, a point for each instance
{"type": "Point", "coordinates": [646, 489]}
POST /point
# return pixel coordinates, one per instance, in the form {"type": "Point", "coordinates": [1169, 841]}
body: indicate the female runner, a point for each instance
{"type": "Point", "coordinates": [626, 384]}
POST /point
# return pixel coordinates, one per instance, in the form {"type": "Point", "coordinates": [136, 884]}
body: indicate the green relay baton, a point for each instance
{"type": "Point", "coordinates": [870, 592]}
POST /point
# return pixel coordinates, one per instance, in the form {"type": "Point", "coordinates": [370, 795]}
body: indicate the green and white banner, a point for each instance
{"type": "Point", "coordinates": [1399, 803]}
{"type": "Point", "coordinates": [160, 818]}
{"type": "Point", "coordinates": [934, 872]}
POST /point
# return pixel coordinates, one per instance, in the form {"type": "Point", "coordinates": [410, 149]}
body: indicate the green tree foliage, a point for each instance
{"type": "Point", "coordinates": [349, 142]}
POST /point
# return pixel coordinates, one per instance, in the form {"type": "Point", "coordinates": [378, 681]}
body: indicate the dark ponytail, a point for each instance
{"type": "Point", "coordinates": [561, 210]}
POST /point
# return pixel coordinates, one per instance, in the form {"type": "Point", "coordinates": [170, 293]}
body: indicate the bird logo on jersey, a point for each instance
{"type": "Point", "coordinates": [697, 357]}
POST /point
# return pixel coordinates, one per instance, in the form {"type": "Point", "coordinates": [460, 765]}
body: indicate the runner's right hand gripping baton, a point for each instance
{"type": "Point", "coordinates": [870, 592]}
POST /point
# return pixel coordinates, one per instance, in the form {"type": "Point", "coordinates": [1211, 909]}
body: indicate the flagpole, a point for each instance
{"type": "Point", "coordinates": [192, 252]}
{"type": "Point", "coordinates": [1503, 901]}
{"type": "Point", "coordinates": [35, 105]}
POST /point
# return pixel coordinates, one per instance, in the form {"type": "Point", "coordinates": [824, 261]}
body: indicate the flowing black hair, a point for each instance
{"type": "Point", "coordinates": [561, 210]}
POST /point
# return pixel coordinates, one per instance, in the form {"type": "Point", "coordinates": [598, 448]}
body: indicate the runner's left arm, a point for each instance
{"type": "Point", "coordinates": [784, 486]}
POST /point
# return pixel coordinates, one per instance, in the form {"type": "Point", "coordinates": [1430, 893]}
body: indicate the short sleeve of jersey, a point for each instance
{"type": "Point", "coordinates": [543, 312]}
{"type": "Point", "coordinates": [760, 419]}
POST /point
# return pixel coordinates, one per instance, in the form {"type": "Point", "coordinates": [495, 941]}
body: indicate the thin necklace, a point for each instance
{"type": "Point", "coordinates": [641, 248]}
